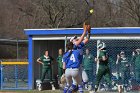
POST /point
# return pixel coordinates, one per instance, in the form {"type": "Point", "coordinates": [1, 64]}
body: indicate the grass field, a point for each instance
{"type": "Point", "coordinates": [48, 91]}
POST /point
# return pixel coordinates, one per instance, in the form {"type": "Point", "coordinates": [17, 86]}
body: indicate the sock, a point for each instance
{"type": "Point", "coordinates": [80, 89]}
{"type": "Point", "coordinates": [73, 87]}
{"type": "Point", "coordinates": [66, 89]}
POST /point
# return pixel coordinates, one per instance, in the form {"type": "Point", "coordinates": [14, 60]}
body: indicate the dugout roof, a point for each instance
{"type": "Point", "coordinates": [95, 31]}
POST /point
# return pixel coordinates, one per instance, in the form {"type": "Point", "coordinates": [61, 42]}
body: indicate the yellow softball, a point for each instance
{"type": "Point", "coordinates": [91, 11]}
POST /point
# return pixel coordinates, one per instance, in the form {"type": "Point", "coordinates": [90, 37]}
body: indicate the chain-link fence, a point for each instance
{"type": "Point", "coordinates": [14, 76]}
{"type": "Point", "coordinates": [14, 64]}
{"type": "Point", "coordinates": [124, 61]}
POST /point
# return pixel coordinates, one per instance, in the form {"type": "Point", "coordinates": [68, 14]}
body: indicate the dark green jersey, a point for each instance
{"type": "Point", "coordinates": [101, 54]}
{"type": "Point", "coordinates": [137, 62]}
{"type": "Point", "coordinates": [88, 62]}
{"type": "Point", "coordinates": [46, 60]}
{"type": "Point", "coordinates": [59, 60]}
{"type": "Point", "coordinates": [123, 64]}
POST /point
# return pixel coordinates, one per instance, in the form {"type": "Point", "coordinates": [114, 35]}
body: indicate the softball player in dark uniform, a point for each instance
{"type": "Point", "coordinates": [88, 63]}
{"type": "Point", "coordinates": [60, 64]}
{"type": "Point", "coordinates": [103, 69]}
{"type": "Point", "coordinates": [46, 62]}
{"type": "Point", "coordinates": [123, 67]}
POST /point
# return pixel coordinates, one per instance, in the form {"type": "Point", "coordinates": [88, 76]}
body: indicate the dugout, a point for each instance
{"type": "Point", "coordinates": [53, 39]}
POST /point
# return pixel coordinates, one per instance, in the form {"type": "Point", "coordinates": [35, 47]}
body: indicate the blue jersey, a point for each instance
{"type": "Point", "coordinates": [80, 49]}
{"type": "Point", "coordinates": [73, 61]}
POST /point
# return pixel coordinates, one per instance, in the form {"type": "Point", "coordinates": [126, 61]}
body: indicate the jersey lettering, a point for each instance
{"type": "Point", "coordinates": [72, 57]}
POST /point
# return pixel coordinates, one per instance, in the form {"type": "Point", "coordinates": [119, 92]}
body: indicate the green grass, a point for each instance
{"type": "Point", "coordinates": [30, 91]}
{"type": "Point", "coordinates": [47, 91]}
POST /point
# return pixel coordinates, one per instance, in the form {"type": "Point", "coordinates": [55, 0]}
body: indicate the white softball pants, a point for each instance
{"type": "Point", "coordinates": [73, 76]}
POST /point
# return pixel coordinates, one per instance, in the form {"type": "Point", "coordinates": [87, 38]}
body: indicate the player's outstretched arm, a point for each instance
{"type": "Point", "coordinates": [88, 35]}
{"type": "Point", "coordinates": [82, 36]}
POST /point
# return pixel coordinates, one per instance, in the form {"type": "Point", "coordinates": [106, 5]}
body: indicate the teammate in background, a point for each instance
{"type": "Point", "coordinates": [46, 62]}
{"type": "Point", "coordinates": [88, 63]}
{"type": "Point", "coordinates": [60, 64]}
{"type": "Point", "coordinates": [103, 69]}
{"type": "Point", "coordinates": [136, 67]}
{"type": "Point", "coordinates": [72, 63]}
{"type": "Point", "coordinates": [123, 71]}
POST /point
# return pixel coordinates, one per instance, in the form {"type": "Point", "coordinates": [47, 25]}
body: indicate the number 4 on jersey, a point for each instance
{"type": "Point", "coordinates": [72, 57]}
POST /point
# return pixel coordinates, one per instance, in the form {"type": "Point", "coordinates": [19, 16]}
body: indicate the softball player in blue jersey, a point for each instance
{"type": "Point", "coordinates": [79, 46]}
{"type": "Point", "coordinates": [71, 62]}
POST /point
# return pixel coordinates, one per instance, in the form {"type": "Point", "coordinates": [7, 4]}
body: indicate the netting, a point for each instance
{"type": "Point", "coordinates": [14, 75]}
{"type": "Point", "coordinates": [131, 49]}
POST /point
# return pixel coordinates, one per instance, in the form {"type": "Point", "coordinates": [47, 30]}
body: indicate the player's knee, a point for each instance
{"type": "Point", "coordinates": [85, 79]}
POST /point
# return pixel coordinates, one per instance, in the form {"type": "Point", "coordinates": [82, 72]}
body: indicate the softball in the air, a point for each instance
{"type": "Point", "coordinates": [91, 11]}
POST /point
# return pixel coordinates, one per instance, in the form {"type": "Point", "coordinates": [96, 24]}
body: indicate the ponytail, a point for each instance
{"type": "Point", "coordinates": [69, 47]}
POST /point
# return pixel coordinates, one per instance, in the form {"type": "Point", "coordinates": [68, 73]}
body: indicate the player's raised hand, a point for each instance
{"type": "Point", "coordinates": [88, 28]}
{"type": "Point", "coordinates": [85, 27]}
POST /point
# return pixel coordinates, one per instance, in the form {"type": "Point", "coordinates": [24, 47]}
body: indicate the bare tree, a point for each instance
{"type": "Point", "coordinates": [55, 13]}
{"type": "Point", "coordinates": [131, 11]}
{"type": "Point", "coordinates": [17, 15]}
